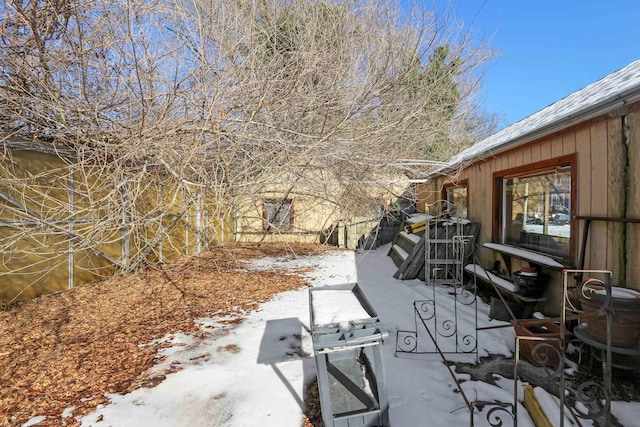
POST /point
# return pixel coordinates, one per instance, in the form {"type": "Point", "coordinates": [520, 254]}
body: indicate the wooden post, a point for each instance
{"type": "Point", "coordinates": [199, 221]}
{"type": "Point", "coordinates": [70, 210]}
{"type": "Point", "coordinates": [125, 249]}
{"type": "Point", "coordinates": [186, 217]}
{"type": "Point", "coordinates": [160, 225]}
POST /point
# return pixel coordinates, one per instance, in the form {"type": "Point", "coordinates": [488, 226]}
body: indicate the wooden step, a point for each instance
{"type": "Point", "coordinates": [398, 255]}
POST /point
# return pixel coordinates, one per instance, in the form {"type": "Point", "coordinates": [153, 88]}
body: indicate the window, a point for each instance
{"type": "Point", "coordinates": [456, 195]}
{"type": "Point", "coordinates": [277, 214]}
{"type": "Point", "coordinates": [536, 207]}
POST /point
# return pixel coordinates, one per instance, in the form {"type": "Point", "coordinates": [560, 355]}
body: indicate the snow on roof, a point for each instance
{"type": "Point", "coordinates": [614, 90]}
{"type": "Point", "coordinates": [418, 217]}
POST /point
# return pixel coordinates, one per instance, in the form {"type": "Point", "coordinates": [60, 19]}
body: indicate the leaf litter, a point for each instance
{"type": "Point", "coordinates": [60, 354]}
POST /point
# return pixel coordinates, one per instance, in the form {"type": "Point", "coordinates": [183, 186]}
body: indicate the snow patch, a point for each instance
{"type": "Point", "coordinates": [336, 306]}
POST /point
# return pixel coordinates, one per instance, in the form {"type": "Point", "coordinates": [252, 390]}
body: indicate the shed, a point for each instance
{"type": "Point", "coordinates": [563, 183]}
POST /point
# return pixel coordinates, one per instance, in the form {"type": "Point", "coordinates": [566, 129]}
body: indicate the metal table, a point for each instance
{"type": "Point", "coordinates": [351, 380]}
{"type": "Point", "coordinates": [582, 333]}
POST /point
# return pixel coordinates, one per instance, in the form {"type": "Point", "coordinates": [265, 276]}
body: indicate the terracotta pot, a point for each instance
{"type": "Point", "coordinates": [574, 300]}
{"type": "Point", "coordinates": [625, 313]}
{"type": "Point", "coordinates": [538, 352]}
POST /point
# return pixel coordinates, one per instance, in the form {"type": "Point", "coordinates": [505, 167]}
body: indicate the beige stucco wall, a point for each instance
{"type": "Point", "coordinates": [316, 209]}
{"type": "Point", "coordinates": [37, 251]}
{"type": "Point", "coordinates": [310, 216]}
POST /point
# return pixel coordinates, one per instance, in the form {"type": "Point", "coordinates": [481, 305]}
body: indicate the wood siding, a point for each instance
{"type": "Point", "coordinates": [607, 184]}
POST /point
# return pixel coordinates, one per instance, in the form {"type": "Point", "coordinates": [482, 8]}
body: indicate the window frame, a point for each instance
{"type": "Point", "coordinates": [463, 183]}
{"type": "Point", "coordinates": [497, 232]}
{"type": "Point", "coordinates": [268, 225]}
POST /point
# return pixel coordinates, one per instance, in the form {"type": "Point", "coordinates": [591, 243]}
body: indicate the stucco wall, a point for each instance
{"type": "Point", "coordinates": [57, 232]}
{"type": "Point", "coordinates": [316, 209]}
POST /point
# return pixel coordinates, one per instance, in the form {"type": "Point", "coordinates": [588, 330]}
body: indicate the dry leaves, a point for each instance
{"type": "Point", "coordinates": [313, 413]}
{"type": "Point", "coordinates": [67, 350]}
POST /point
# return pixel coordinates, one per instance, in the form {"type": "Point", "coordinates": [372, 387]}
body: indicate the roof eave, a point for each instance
{"type": "Point", "coordinates": [610, 104]}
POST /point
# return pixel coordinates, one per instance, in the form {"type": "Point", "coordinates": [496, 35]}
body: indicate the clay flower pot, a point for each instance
{"type": "Point", "coordinates": [625, 313]}
{"type": "Point", "coordinates": [539, 352]}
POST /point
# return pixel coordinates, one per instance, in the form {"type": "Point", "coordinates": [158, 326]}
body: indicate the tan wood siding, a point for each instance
{"type": "Point", "coordinates": [583, 150]}
{"type": "Point", "coordinates": [526, 155]}
{"type": "Point", "coordinates": [569, 143]}
{"type": "Point", "coordinates": [633, 202]}
{"type": "Point", "coordinates": [557, 148]}
{"type": "Point", "coordinates": [536, 153]}
{"type": "Point", "coordinates": [606, 184]}
{"type": "Point", "coordinates": [484, 205]}
{"type": "Point", "coordinates": [616, 160]}
{"type": "Point", "coordinates": [599, 174]}
{"type": "Point", "coordinates": [545, 150]}
{"type": "Point", "coordinates": [515, 159]}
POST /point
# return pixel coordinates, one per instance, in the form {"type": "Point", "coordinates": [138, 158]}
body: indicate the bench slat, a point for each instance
{"type": "Point", "coordinates": [502, 284]}
{"type": "Point", "coordinates": [526, 255]}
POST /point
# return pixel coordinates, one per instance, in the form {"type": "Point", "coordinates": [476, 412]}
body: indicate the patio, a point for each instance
{"type": "Point", "coordinates": [225, 373]}
{"type": "Point", "coordinates": [421, 388]}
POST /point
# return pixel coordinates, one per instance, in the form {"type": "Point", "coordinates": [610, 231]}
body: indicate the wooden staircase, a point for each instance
{"type": "Point", "coordinates": [408, 248]}
{"type": "Point", "coordinates": [407, 243]}
{"type": "Point", "coordinates": [403, 245]}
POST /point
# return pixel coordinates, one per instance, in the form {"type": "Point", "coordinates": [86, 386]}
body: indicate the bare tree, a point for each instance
{"type": "Point", "coordinates": [166, 113]}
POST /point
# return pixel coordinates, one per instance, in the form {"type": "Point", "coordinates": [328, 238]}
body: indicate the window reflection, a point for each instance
{"type": "Point", "coordinates": [457, 196]}
{"type": "Point", "coordinates": [537, 211]}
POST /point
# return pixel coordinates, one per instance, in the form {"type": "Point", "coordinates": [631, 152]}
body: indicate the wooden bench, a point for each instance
{"type": "Point", "coordinates": [503, 285]}
{"type": "Point", "coordinates": [533, 258]}
{"type": "Point", "coordinates": [506, 287]}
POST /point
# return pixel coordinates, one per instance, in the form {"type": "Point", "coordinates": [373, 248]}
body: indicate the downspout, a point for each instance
{"type": "Point", "coordinates": [625, 193]}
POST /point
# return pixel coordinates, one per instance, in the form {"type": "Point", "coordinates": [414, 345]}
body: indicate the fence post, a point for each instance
{"type": "Point", "coordinates": [160, 225]}
{"type": "Point", "coordinates": [186, 216]}
{"type": "Point", "coordinates": [124, 192]}
{"type": "Point", "coordinates": [70, 209]}
{"type": "Point", "coordinates": [199, 226]}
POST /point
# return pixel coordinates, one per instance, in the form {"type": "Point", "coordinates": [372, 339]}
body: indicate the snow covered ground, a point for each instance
{"type": "Point", "coordinates": [254, 374]}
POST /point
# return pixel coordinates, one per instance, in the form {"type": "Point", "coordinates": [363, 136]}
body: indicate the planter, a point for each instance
{"type": "Point", "coordinates": [625, 313]}
{"type": "Point", "coordinates": [547, 352]}
{"type": "Point", "coordinates": [530, 284]}
{"type": "Point", "coordinates": [498, 311]}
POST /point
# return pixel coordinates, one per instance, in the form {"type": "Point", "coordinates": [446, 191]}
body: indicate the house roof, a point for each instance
{"type": "Point", "coordinates": [617, 89]}
{"type": "Point", "coordinates": [17, 143]}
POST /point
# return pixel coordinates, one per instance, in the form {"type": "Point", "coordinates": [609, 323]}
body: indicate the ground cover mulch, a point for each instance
{"type": "Point", "coordinates": [68, 350]}
{"type": "Point", "coordinates": [313, 411]}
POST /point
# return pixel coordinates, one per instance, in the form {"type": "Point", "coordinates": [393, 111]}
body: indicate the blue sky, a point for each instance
{"type": "Point", "coordinates": [548, 49]}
